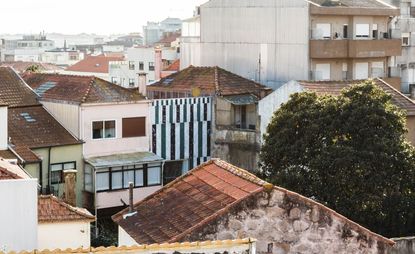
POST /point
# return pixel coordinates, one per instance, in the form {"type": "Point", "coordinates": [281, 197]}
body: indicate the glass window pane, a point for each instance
{"type": "Point", "coordinates": [116, 180]}
{"type": "Point", "coordinates": [102, 181]}
{"type": "Point", "coordinates": [109, 129]}
{"type": "Point", "coordinates": [153, 176]}
{"type": "Point", "coordinates": [56, 167]}
{"type": "Point", "coordinates": [139, 178]}
{"type": "Point", "coordinates": [56, 177]}
{"type": "Point", "coordinates": [70, 165]}
{"type": "Point", "coordinates": [97, 130]}
{"type": "Point", "coordinates": [128, 177]}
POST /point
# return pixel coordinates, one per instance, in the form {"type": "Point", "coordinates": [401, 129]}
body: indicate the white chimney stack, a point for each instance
{"type": "Point", "coordinates": [158, 63]}
{"type": "Point", "coordinates": [3, 127]}
{"type": "Point", "coordinates": [142, 83]}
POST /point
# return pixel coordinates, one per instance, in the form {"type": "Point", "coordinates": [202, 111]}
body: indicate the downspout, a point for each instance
{"type": "Point", "coordinates": [49, 180]}
{"type": "Point", "coordinates": [95, 202]}
{"type": "Point", "coordinates": [40, 173]}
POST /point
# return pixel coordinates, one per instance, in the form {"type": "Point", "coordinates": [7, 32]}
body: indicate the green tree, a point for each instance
{"type": "Point", "coordinates": [348, 152]}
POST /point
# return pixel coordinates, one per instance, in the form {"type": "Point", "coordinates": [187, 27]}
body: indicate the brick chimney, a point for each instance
{"type": "Point", "coordinates": [70, 185]}
{"type": "Point", "coordinates": [142, 83]}
{"type": "Point", "coordinates": [3, 127]}
{"type": "Point", "coordinates": [158, 63]}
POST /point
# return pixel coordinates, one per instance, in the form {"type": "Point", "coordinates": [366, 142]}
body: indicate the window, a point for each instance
{"type": "Point", "coordinates": [88, 178]}
{"type": "Point", "coordinates": [362, 30]}
{"type": "Point", "coordinates": [118, 178]}
{"type": "Point", "coordinates": [405, 39]}
{"type": "Point", "coordinates": [323, 31]}
{"type": "Point", "coordinates": [141, 66]}
{"type": "Point", "coordinates": [103, 129]}
{"type": "Point", "coordinates": [131, 65]}
{"type": "Point", "coordinates": [114, 80]}
{"type": "Point", "coordinates": [131, 82]}
{"type": "Point", "coordinates": [377, 69]}
{"type": "Point", "coordinates": [344, 71]}
{"type": "Point", "coordinates": [322, 72]}
{"type": "Point", "coordinates": [150, 66]}
{"type": "Point", "coordinates": [361, 70]}
{"type": "Point", "coordinates": [375, 31]}
{"type": "Point", "coordinates": [57, 169]}
{"type": "Point", "coordinates": [73, 58]}
{"type": "Point", "coordinates": [240, 116]}
{"type": "Point", "coordinates": [133, 127]}
{"type": "Point", "coordinates": [345, 32]}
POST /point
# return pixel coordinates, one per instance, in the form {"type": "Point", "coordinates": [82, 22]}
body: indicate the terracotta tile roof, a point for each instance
{"type": "Point", "coordinates": [189, 202]}
{"type": "Point", "coordinates": [171, 37]}
{"type": "Point", "coordinates": [51, 209]}
{"type": "Point", "coordinates": [94, 64]}
{"type": "Point", "coordinates": [79, 89]}
{"type": "Point", "coordinates": [335, 87]}
{"type": "Point", "coordinates": [7, 154]}
{"type": "Point", "coordinates": [13, 91]}
{"type": "Point", "coordinates": [211, 80]}
{"type": "Point", "coordinates": [7, 175]}
{"type": "Point", "coordinates": [175, 66]}
{"type": "Point", "coordinates": [21, 66]}
{"type": "Point", "coordinates": [34, 127]}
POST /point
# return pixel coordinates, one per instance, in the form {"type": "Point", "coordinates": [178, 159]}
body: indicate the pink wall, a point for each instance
{"type": "Point", "coordinates": [102, 147]}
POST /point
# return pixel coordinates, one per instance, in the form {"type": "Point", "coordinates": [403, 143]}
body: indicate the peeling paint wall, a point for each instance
{"type": "Point", "coordinates": [283, 222]}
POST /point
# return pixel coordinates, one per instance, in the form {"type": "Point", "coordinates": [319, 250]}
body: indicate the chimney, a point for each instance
{"type": "Point", "coordinates": [158, 63]}
{"type": "Point", "coordinates": [70, 182]}
{"type": "Point", "coordinates": [3, 127]}
{"type": "Point", "coordinates": [131, 196]}
{"type": "Point", "coordinates": [142, 83]}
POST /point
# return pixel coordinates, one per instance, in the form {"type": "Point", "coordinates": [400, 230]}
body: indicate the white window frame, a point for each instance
{"type": "Point", "coordinates": [103, 126]}
{"type": "Point", "coordinates": [408, 37]}
{"type": "Point", "coordinates": [325, 29]}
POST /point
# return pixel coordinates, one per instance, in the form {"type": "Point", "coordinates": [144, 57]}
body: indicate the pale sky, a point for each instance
{"type": "Point", "coordinates": [88, 16]}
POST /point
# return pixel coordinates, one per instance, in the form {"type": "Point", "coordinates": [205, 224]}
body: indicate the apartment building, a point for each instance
{"type": "Point", "coordinates": [28, 49]}
{"type": "Point", "coordinates": [273, 42]}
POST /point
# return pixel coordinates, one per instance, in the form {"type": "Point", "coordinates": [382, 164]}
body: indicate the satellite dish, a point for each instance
{"type": "Point", "coordinates": [196, 91]}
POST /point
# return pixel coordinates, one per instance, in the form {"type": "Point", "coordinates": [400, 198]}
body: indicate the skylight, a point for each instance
{"type": "Point", "coordinates": [27, 117]}
{"type": "Point", "coordinates": [44, 87]}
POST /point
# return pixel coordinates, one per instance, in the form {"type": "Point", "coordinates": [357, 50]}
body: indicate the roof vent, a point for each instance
{"type": "Point", "coordinates": [27, 117]}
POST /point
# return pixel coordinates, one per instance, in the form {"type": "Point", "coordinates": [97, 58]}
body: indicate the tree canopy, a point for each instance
{"type": "Point", "coordinates": [348, 152]}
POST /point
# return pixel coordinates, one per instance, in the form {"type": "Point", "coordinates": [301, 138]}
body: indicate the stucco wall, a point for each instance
{"type": "Point", "coordinates": [284, 222]}
{"type": "Point", "coordinates": [124, 238]}
{"type": "Point", "coordinates": [101, 147]}
{"type": "Point", "coordinates": [404, 245]}
{"type": "Point", "coordinates": [66, 114]}
{"type": "Point", "coordinates": [18, 220]}
{"type": "Point", "coordinates": [64, 235]}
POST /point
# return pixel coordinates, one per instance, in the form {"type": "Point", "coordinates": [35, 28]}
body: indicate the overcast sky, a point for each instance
{"type": "Point", "coordinates": [88, 16]}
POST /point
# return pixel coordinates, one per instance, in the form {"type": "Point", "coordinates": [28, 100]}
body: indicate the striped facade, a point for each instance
{"type": "Point", "coordinates": [181, 129]}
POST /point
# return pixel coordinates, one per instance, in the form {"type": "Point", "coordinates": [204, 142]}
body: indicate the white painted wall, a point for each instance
{"type": "Point", "coordinates": [124, 239]}
{"type": "Point", "coordinates": [64, 235]}
{"type": "Point", "coordinates": [99, 112]}
{"type": "Point", "coordinates": [268, 105]}
{"type": "Point", "coordinates": [112, 198]}
{"type": "Point", "coordinates": [3, 128]}
{"type": "Point", "coordinates": [18, 210]}
{"type": "Point", "coordinates": [66, 114]}
{"type": "Point", "coordinates": [235, 34]}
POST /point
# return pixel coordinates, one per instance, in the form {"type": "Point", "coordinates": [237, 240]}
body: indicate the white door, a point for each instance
{"type": "Point", "coordinates": [322, 72]}
{"type": "Point", "coordinates": [361, 71]}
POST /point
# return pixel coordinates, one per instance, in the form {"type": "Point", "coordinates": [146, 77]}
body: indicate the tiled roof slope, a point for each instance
{"type": "Point", "coordinates": [189, 202]}
{"type": "Point", "coordinates": [351, 3]}
{"type": "Point", "coordinates": [13, 91]}
{"type": "Point", "coordinates": [94, 64]}
{"type": "Point", "coordinates": [51, 209]}
{"type": "Point", "coordinates": [175, 66]}
{"type": "Point", "coordinates": [211, 80]}
{"type": "Point", "coordinates": [79, 89]}
{"type": "Point", "coordinates": [335, 87]}
{"type": "Point", "coordinates": [7, 175]}
{"type": "Point", "coordinates": [21, 66]}
{"type": "Point", "coordinates": [34, 127]}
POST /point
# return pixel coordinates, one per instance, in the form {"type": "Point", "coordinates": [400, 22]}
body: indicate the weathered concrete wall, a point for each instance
{"type": "Point", "coordinates": [285, 222]}
{"type": "Point", "coordinates": [404, 245]}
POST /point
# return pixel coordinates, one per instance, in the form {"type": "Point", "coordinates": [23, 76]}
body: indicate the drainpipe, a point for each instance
{"type": "Point", "coordinates": [40, 173]}
{"type": "Point", "coordinates": [49, 180]}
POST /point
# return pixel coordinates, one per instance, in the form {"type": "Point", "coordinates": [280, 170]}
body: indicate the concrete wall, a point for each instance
{"type": "Point", "coordinates": [66, 114]}
{"type": "Point", "coordinates": [284, 222]}
{"type": "Point", "coordinates": [268, 105]}
{"type": "Point", "coordinates": [3, 128]}
{"type": "Point", "coordinates": [124, 238]}
{"type": "Point", "coordinates": [102, 147]}
{"type": "Point", "coordinates": [18, 220]}
{"type": "Point", "coordinates": [404, 245]}
{"type": "Point", "coordinates": [259, 31]}
{"type": "Point", "coordinates": [64, 235]}
{"type": "Point", "coordinates": [112, 198]}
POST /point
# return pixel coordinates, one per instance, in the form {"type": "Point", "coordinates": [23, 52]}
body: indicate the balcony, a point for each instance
{"type": "Point", "coordinates": [347, 48]}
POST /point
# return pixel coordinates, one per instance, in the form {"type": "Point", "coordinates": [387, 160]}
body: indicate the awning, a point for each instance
{"type": "Point", "coordinates": [244, 99]}
{"type": "Point", "coordinates": [117, 160]}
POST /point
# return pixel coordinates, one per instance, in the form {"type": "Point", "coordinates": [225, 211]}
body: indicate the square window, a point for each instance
{"type": "Point", "coordinates": [154, 176]}
{"type": "Point", "coordinates": [109, 129]}
{"type": "Point", "coordinates": [139, 178]}
{"type": "Point", "coordinates": [103, 182]}
{"type": "Point", "coordinates": [116, 180]}
{"type": "Point", "coordinates": [97, 130]}
{"type": "Point", "coordinates": [103, 129]}
{"type": "Point", "coordinates": [128, 177]}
